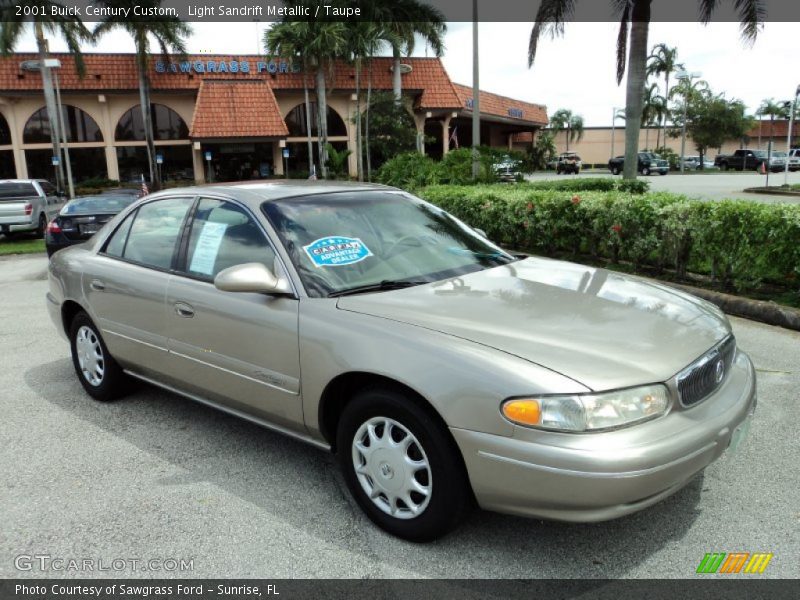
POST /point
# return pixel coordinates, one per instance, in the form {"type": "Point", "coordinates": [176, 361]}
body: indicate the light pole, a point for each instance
{"type": "Point", "coordinates": [687, 77]}
{"type": "Point", "coordinates": [789, 136]}
{"type": "Point", "coordinates": [476, 93]}
{"type": "Point", "coordinates": [56, 64]}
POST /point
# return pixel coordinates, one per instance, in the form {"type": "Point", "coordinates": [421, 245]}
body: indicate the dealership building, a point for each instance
{"type": "Point", "coordinates": [226, 118]}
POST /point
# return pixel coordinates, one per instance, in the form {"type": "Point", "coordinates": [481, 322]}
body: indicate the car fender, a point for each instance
{"type": "Point", "coordinates": [464, 381]}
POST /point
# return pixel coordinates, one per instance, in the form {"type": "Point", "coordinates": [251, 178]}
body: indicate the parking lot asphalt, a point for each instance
{"type": "Point", "coordinates": [157, 476]}
{"type": "Point", "coordinates": [714, 185]}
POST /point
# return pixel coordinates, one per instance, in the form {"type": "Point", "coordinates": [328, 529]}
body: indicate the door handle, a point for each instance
{"type": "Point", "coordinates": [184, 310]}
{"type": "Point", "coordinates": [97, 285]}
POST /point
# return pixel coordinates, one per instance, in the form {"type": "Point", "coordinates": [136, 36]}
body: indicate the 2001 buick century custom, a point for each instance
{"type": "Point", "coordinates": [439, 368]}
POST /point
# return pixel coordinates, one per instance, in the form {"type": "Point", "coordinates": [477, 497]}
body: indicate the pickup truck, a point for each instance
{"type": "Point", "coordinates": [27, 205]}
{"type": "Point", "coordinates": [743, 160]}
{"type": "Point", "coordinates": [648, 163]}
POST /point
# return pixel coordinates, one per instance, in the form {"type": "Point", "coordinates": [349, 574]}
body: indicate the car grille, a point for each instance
{"type": "Point", "coordinates": [703, 376]}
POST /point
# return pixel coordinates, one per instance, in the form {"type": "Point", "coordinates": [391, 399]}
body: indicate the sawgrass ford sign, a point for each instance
{"type": "Point", "coordinates": [227, 66]}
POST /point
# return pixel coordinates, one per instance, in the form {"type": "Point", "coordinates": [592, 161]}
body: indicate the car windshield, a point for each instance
{"type": "Point", "coordinates": [779, 154]}
{"type": "Point", "coordinates": [760, 153]}
{"type": "Point", "coordinates": [88, 205]}
{"type": "Point", "coordinates": [346, 240]}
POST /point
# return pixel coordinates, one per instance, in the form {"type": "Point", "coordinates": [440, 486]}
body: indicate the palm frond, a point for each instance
{"type": "Point", "coordinates": [622, 41]}
{"type": "Point", "coordinates": [550, 19]}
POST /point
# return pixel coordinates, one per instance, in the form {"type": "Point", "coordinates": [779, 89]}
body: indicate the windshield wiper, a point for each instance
{"type": "Point", "coordinates": [386, 284]}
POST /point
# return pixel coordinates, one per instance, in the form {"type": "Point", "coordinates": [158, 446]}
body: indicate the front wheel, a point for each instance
{"type": "Point", "coordinates": [615, 170]}
{"type": "Point", "coordinates": [401, 466]}
{"type": "Point", "coordinates": [98, 372]}
{"type": "Point", "coordinates": [645, 171]}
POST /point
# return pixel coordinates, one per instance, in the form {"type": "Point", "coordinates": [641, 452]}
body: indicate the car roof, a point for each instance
{"type": "Point", "coordinates": [258, 192]}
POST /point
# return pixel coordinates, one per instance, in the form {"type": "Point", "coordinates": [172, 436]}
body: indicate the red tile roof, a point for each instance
{"type": "Point", "coordinates": [106, 72]}
{"type": "Point", "coordinates": [236, 109]}
{"type": "Point", "coordinates": [503, 106]}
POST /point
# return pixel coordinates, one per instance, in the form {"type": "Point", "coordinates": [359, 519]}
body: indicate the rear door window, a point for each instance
{"type": "Point", "coordinates": [155, 232]}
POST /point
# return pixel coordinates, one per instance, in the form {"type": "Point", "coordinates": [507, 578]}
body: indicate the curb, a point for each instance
{"type": "Point", "coordinates": [771, 191]}
{"type": "Point", "coordinates": [755, 310]}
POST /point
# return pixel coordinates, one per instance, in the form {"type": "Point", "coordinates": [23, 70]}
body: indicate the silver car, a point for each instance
{"type": "Point", "coordinates": [440, 369]}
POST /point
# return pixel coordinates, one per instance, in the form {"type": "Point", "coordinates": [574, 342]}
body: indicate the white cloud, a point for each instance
{"type": "Point", "coordinates": [576, 71]}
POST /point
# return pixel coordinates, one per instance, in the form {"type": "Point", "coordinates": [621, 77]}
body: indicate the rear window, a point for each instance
{"type": "Point", "coordinates": [16, 189]}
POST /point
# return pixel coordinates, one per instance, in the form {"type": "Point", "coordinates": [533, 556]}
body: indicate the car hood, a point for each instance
{"type": "Point", "coordinates": [600, 328]}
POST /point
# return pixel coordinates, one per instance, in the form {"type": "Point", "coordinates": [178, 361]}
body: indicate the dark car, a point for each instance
{"type": "Point", "coordinates": [82, 217]}
{"type": "Point", "coordinates": [648, 163]}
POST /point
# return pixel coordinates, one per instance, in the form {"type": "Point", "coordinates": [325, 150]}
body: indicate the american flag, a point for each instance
{"type": "Point", "coordinates": [145, 190]}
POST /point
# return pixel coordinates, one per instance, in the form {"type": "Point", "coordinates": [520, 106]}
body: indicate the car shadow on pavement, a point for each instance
{"type": "Point", "coordinates": [297, 484]}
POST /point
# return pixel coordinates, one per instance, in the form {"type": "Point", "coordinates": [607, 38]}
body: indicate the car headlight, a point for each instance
{"type": "Point", "coordinates": [589, 412]}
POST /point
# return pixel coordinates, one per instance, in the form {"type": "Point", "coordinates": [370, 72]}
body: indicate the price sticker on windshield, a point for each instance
{"type": "Point", "coordinates": [336, 251]}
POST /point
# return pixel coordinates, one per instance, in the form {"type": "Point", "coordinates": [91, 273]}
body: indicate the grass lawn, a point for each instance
{"type": "Point", "coordinates": [20, 246]}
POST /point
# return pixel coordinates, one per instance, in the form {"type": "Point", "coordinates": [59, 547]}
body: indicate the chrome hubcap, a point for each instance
{"type": "Point", "coordinates": [392, 467]}
{"type": "Point", "coordinates": [90, 355]}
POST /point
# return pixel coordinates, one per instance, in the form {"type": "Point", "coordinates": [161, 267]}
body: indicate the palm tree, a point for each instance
{"type": "Point", "coordinates": [404, 20]}
{"type": "Point", "coordinates": [663, 59]}
{"type": "Point", "coordinates": [634, 19]}
{"type": "Point", "coordinates": [169, 34]}
{"type": "Point", "coordinates": [73, 31]}
{"type": "Point", "coordinates": [564, 119]}
{"type": "Point", "coordinates": [285, 39]}
{"type": "Point", "coordinates": [653, 110]}
{"type": "Point", "coordinates": [771, 109]}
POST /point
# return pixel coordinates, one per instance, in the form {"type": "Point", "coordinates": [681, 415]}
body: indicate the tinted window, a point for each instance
{"type": "Point", "coordinates": [79, 126]}
{"type": "Point", "coordinates": [167, 124]}
{"type": "Point", "coordinates": [116, 245]}
{"type": "Point", "coordinates": [224, 235]}
{"type": "Point", "coordinates": [13, 189]}
{"type": "Point", "coordinates": [155, 231]}
{"type": "Point", "coordinates": [296, 121]}
{"type": "Point", "coordinates": [5, 132]}
{"type": "Point", "coordinates": [48, 188]}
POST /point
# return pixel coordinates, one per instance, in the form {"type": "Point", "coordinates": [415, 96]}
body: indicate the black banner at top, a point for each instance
{"type": "Point", "coordinates": [383, 10]}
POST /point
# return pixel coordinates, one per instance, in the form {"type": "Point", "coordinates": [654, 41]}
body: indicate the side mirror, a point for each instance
{"type": "Point", "coordinates": [480, 232]}
{"type": "Point", "coordinates": [250, 277]}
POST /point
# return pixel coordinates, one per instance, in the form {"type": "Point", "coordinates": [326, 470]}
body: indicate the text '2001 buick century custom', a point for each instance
{"type": "Point", "coordinates": [440, 369]}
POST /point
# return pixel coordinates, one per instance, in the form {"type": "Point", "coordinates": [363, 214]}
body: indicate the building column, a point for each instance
{"type": "Point", "coordinates": [108, 129]}
{"type": "Point", "coordinates": [197, 163]}
{"type": "Point", "coordinates": [419, 121]}
{"type": "Point", "coordinates": [16, 142]}
{"type": "Point", "coordinates": [446, 135]}
{"type": "Point", "coordinates": [277, 158]}
{"type": "Point", "coordinates": [510, 141]}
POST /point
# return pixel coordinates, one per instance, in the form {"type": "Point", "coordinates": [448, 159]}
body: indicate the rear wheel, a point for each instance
{"type": "Point", "coordinates": [724, 166]}
{"type": "Point", "coordinates": [98, 372]}
{"type": "Point", "coordinates": [645, 171]}
{"type": "Point", "coordinates": [401, 466]}
{"type": "Point", "coordinates": [615, 170]}
{"type": "Point", "coordinates": [42, 227]}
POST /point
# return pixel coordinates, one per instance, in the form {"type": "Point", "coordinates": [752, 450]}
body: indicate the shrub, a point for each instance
{"type": "Point", "coordinates": [408, 171]}
{"type": "Point", "coordinates": [596, 184]}
{"type": "Point", "coordinates": [738, 243]}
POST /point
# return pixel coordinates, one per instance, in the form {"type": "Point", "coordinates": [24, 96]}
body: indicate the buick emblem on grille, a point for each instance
{"type": "Point", "coordinates": [719, 371]}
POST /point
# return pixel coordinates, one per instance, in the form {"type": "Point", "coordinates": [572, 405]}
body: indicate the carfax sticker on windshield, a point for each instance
{"type": "Point", "coordinates": [337, 250]}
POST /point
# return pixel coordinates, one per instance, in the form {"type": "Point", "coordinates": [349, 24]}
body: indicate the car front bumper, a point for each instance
{"type": "Point", "coordinates": [605, 475]}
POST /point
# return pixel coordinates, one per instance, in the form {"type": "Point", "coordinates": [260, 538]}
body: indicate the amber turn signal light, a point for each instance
{"type": "Point", "coordinates": [524, 412]}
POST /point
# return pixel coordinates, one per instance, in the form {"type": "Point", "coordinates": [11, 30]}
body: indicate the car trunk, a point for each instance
{"type": "Point", "coordinates": [16, 200]}
{"type": "Point", "coordinates": [82, 227]}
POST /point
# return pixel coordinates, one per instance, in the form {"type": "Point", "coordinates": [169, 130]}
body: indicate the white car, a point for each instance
{"type": "Point", "coordinates": [794, 159]}
{"type": "Point", "coordinates": [693, 162]}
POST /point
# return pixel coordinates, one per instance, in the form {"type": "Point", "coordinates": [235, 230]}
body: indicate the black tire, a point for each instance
{"type": "Point", "coordinates": [645, 171]}
{"type": "Point", "coordinates": [723, 166]}
{"type": "Point", "coordinates": [42, 227]}
{"type": "Point", "coordinates": [111, 384]}
{"type": "Point", "coordinates": [450, 495]}
{"type": "Point", "coordinates": [615, 170]}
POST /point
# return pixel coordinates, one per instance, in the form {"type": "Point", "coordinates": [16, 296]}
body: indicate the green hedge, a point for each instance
{"type": "Point", "coordinates": [738, 243]}
{"type": "Point", "coordinates": [592, 184]}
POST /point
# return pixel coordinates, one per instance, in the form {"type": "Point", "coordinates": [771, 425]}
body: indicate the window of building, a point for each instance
{"type": "Point", "coordinates": [86, 163]}
{"type": "Point", "coordinates": [224, 235]}
{"type": "Point", "coordinates": [177, 164]}
{"type": "Point", "coordinates": [296, 122]}
{"type": "Point", "coordinates": [167, 125]}
{"type": "Point", "coordinates": [79, 126]}
{"type": "Point", "coordinates": [8, 169]}
{"type": "Point", "coordinates": [5, 132]}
